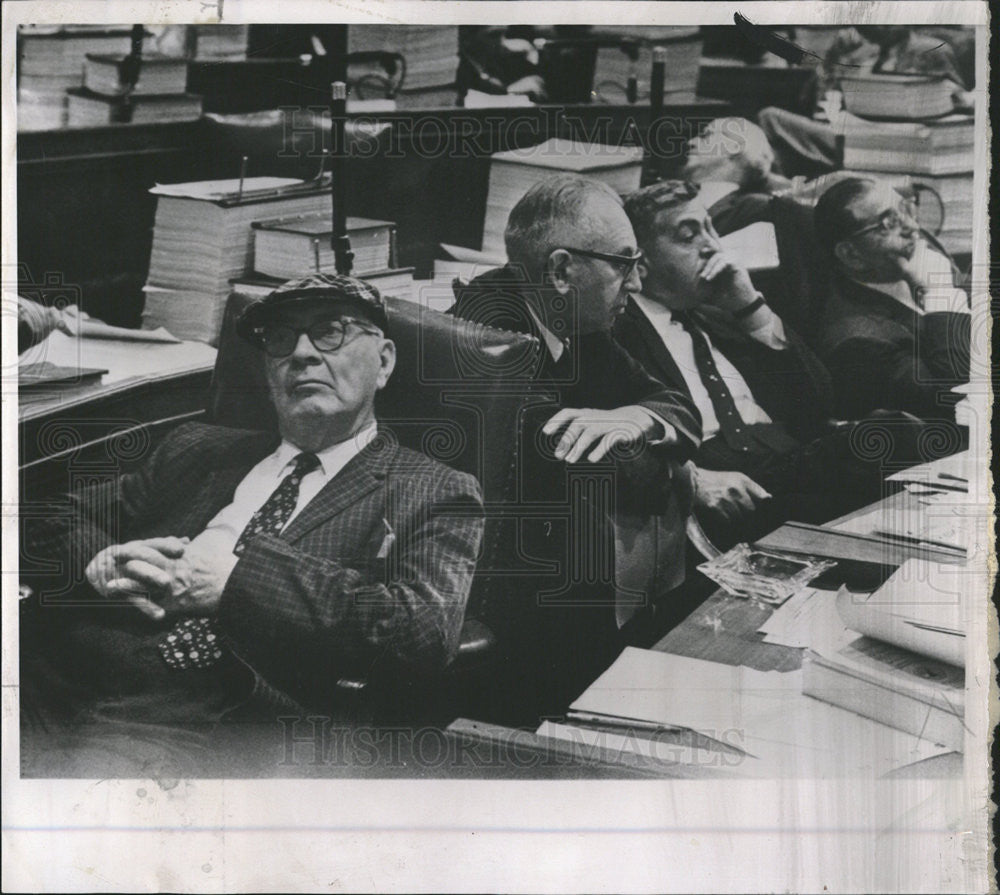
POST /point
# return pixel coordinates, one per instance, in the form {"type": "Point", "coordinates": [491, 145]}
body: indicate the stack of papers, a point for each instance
{"type": "Point", "coordinates": [202, 238]}
{"type": "Point", "coordinates": [923, 607]}
{"type": "Point", "coordinates": [430, 51]}
{"type": "Point", "coordinates": [762, 715]}
{"type": "Point", "coordinates": [614, 66]}
{"type": "Point", "coordinates": [514, 172]}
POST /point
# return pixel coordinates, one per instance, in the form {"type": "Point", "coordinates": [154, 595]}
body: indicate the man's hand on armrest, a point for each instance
{"type": "Point", "coordinates": [729, 495]}
{"type": "Point", "coordinates": [592, 433]}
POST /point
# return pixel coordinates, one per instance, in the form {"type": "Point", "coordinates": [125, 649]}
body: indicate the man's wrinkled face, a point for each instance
{"type": "Point", "coordinates": [674, 260]}
{"type": "Point", "coordinates": [602, 285]}
{"type": "Point", "coordinates": [885, 233]}
{"type": "Point", "coordinates": [329, 394]}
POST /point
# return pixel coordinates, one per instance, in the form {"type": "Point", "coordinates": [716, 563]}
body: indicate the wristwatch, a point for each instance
{"type": "Point", "coordinates": [749, 309]}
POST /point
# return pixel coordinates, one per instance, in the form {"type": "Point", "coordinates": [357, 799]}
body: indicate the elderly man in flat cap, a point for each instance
{"type": "Point", "coordinates": [249, 564]}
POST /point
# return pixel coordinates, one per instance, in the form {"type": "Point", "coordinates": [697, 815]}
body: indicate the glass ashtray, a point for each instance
{"type": "Point", "coordinates": [766, 575]}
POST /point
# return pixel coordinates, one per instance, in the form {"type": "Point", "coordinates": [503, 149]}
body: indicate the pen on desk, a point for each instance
{"type": "Point", "coordinates": [923, 542]}
{"type": "Point", "coordinates": [617, 725]}
{"type": "Point", "coordinates": [613, 721]}
{"type": "Point", "coordinates": [952, 477]}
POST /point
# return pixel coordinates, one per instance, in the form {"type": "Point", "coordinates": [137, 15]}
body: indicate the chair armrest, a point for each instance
{"type": "Point", "coordinates": [476, 644]}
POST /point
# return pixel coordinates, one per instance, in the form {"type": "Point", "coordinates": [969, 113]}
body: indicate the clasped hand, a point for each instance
{"type": "Point", "coordinates": [159, 576]}
{"type": "Point", "coordinates": [597, 431]}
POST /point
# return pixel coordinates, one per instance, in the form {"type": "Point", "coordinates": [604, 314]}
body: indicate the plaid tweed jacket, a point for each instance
{"type": "Point", "coordinates": [377, 566]}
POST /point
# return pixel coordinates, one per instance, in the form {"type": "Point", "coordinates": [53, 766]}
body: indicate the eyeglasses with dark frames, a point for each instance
{"type": "Point", "coordinates": [279, 340]}
{"type": "Point", "coordinates": [626, 262]}
{"type": "Point", "coordinates": [892, 220]}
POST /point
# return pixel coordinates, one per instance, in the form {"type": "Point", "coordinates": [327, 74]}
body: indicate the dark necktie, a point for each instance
{"type": "Point", "coordinates": [192, 643]}
{"type": "Point", "coordinates": [731, 425]}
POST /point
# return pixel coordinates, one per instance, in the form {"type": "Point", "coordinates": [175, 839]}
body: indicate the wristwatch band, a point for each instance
{"type": "Point", "coordinates": [755, 305]}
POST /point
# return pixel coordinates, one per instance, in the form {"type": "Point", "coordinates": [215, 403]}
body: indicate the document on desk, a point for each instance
{"type": "Point", "coordinates": [922, 607]}
{"type": "Point", "coordinates": [782, 732]}
{"type": "Point", "coordinates": [221, 189]}
{"type": "Point", "coordinates": [89, 328]}
{"type": "Point", "coordinates": [809, 616]}
{"type": "Point", "coordinates": [937, 523]}
{"type": "Point", "coordinates": [124, 359]}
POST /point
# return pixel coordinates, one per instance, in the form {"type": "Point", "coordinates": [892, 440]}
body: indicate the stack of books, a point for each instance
{"type": "Point", "coordinates": [614, 66]}
{"type": "Point", "coordinates": [221, 41]}
{"type": "Point", "coordinates": [430, 51]}
{"type": "Point", "coordinates": [513, 173]}
{"type": "Point", "coordinates": [50, 61]}
{"type": "Point", "coordinates": [293, 247]}
{"type": "Point", "coordinates": [202, 238]}
{"type": "Point", "coordinates": [158, 95]}
{"type": "Point", "coordinates": [940, 147]}
{"type": "Point", "coordinates": [900, 97]}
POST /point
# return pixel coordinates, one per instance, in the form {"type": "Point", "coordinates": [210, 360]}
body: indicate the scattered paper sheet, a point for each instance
{"type": "Point", "coordinates": [807, 618]}
{"type": "Point", "coordinates": [764, 713]}
{"type": "Point", "coordinates": [221, 189]}
{"type": "Point", "coordinates": [922, 607]}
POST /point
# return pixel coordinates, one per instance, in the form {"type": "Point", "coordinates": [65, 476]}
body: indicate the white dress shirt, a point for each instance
{"type": "Point", "coordinates": [934, 270]}
{"type": "Point", "coordinates": [678, 342]}
{"type": "Point", "coordinates": [221, 534]}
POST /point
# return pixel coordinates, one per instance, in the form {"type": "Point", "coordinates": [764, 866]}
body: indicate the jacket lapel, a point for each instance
{"type": "Point", "coordinates": [220, 483]}
{"type": "Point", "coordinates": [362, 475]}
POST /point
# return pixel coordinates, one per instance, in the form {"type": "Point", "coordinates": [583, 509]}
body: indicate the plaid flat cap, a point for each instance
{"type": "Point", "coordinates": [356, 294]}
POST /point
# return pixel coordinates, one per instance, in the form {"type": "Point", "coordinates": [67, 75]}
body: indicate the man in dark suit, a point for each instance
{"type": "Point", "coordinates": [770, 451]}
{"type": "Point", "coordinates": [895, 331]}
{"type": "Point", "coordinates": [203, 594]}
{"type": "Point", "coordinates": [602, 438]}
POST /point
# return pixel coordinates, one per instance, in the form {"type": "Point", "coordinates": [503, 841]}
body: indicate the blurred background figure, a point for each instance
{"type": "Point", "coordinates": [737, 151]}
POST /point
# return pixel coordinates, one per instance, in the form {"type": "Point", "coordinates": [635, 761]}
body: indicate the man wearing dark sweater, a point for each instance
{"type": "Point", "coordinates": [895, 332]}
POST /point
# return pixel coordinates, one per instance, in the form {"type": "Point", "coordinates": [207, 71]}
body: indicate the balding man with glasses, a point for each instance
{"type": "Point", "coordinates": [602, 437]}
{"type": "Point", "coordinates": [895, 330]}
{"type": "Point", "coordinates": [244, 568]}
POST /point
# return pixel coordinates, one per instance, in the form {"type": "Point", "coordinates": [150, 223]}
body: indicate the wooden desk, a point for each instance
{"type": "Point", "coordinates": [110, 423]}
{"type": "Point", "coordinates": [724, 629]}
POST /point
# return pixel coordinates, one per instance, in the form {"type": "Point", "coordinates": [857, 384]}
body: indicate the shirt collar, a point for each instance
{"type": "Point", "coordinates": [333, 458]}
{"type": "Point", "coordinates": [653, 309]}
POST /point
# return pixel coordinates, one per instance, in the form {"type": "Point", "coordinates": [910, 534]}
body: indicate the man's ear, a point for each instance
{"type": "Point", "coordinates": [846, 253]}
{"type": "Point", "coordinates": [387, 356]}
{"type": "Point", "coordinates": [557, 270]}
{"type": "Point", "coordinates": [643, 268]}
